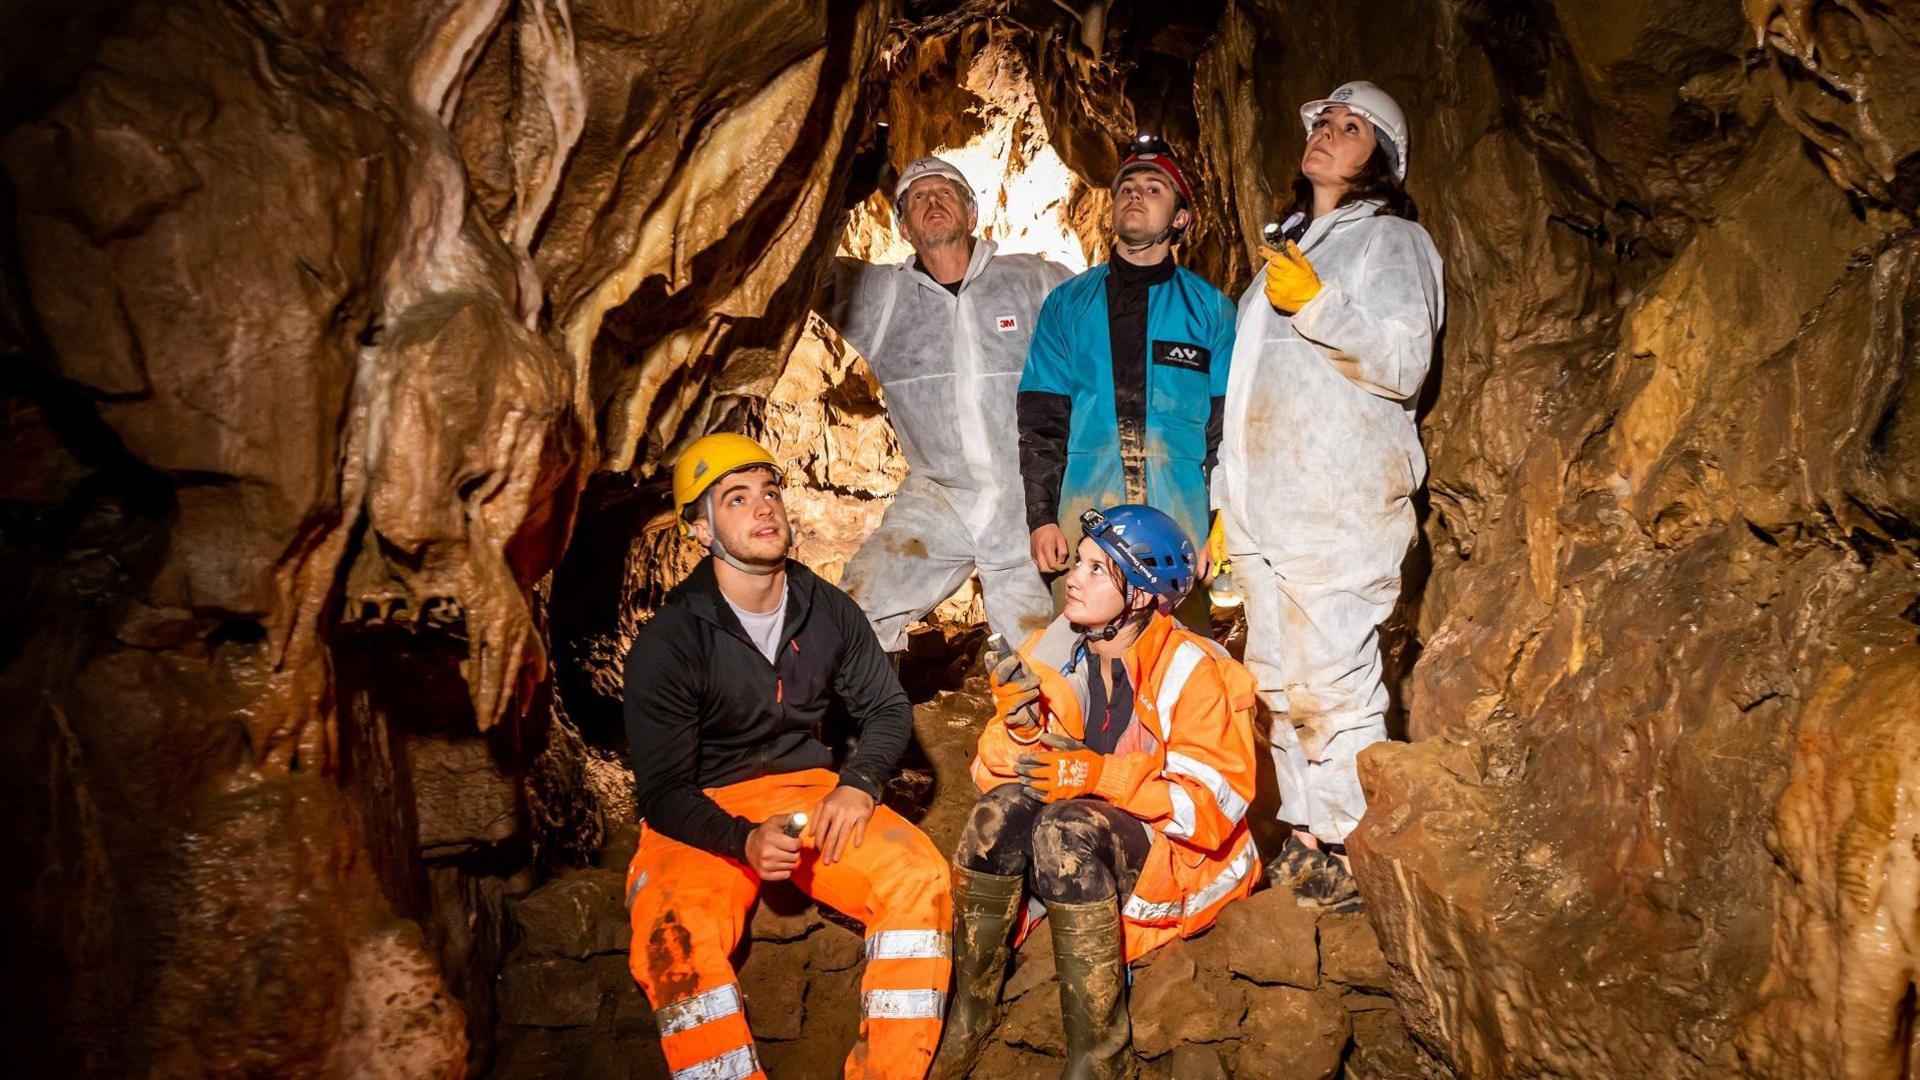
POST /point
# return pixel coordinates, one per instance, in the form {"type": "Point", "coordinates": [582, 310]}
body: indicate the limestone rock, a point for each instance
{"type": "Point", "coordinates": [1188, 1062]}
{"type": "Point", "coordinates": [1270, 940]}
{"type": "Point", "coordinates": [574, 916]}
{"type": "Point", "coordinates": [463, 797]}
{"type": "Point", "coordinates": [1350, 953]}
{"type": "Point", "coordinates": [1032, 1022]}
{"type": "Point", "coordinates": [549, 993]}
{"type": "Point", "coordinates": [774, 977]}
{"type": "Point", "coordinates": [1171, 1007]}
{"type": "Point", "coordinates": [835, 948]}
{"type": "Point", "coordinates": [1290, 1032]}
{"type": "Point", "coordinates": [783, 914]}
{"type": "Point", "coordinates": [1033, 964]}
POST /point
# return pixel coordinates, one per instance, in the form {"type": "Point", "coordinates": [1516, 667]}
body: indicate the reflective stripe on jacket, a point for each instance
{"type": "Point", "coordinates": [1191, 786]}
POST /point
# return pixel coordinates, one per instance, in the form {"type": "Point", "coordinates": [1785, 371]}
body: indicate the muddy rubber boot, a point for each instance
{"type": "Point", "coordinates": [984, 907]}
{"type": "Point", "coordinates": [1324, 882]}
{"type": "Point", "coordinates": [1093, 990]}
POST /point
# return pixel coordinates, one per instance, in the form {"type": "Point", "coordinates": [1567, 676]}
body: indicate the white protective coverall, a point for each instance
{"type": "Point", "coordinates": [950, 367]}
{"type": "Point", "coordinates": [1318, 465]}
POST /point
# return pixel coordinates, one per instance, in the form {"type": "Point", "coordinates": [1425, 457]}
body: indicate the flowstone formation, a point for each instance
{"type": "Point", "coordinates": [317, 318]}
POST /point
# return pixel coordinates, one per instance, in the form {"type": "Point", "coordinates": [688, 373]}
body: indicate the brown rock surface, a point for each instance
{"type": "Point", "coordinates": [1672, 529]}
{"type": "Point", "coordinates": [312, 299]}
{"type": "Point", "coordinates": [330, 328]}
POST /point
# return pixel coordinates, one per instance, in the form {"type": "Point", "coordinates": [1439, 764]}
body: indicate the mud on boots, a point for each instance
{"type": "Point", "coordinates": [1114, 777]}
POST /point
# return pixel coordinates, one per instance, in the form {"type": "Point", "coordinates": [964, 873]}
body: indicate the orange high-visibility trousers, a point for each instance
{"type": "Point", "coordinates": [689, 908]}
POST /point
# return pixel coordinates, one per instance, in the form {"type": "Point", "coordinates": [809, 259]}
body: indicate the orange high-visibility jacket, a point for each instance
{"type": "Point", "coordinates": [1190, 784]}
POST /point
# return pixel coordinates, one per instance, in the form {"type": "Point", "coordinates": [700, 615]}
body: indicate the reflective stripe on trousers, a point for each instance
{"type": "Point", "coordinates": [690, 908]}
{"type": "Point", "coordinates": [737, 1064]}
{"type": "Point", "coordinates": [903, 1004]}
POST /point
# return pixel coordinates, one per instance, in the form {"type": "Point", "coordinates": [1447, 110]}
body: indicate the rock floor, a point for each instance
{"type": "Point", "coordinates": [1273, 991]}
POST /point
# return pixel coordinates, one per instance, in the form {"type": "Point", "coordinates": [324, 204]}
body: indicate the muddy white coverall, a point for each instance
{"type": "Point", "coordinates": [1318, 465]}
{"type": "Point", "coordinates": [950, 366]}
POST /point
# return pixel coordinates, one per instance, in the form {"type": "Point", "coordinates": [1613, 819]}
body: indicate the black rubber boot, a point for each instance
{"type": "Point", "coordinates": [984, 907]}
{"type": "Point", "coordinates": [1093, 990]}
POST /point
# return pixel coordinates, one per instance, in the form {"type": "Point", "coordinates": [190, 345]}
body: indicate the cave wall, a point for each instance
{"type": "Point", "coordinates": [317, 318]}
{"type": "Point", "coordinates": [325, 324]}
{"type": "Point", "coordinates": [1656, 818]}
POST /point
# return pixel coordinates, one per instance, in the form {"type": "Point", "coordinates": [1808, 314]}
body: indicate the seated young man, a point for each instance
{"type": "Point", "coordinates": [1116, 773]}
{"type": "Point", "coordinates": [726, 689]}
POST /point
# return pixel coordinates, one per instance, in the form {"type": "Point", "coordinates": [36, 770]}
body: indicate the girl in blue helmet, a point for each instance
{"type": "Point", "coordinates": [1114, 776]}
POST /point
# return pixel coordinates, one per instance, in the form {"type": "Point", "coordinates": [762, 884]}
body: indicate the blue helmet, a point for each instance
{"type": "Point", "coordinates": [1151, 550]}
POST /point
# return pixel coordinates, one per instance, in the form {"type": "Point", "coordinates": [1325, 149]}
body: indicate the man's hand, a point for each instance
{"type": "Point", "coordinates": [1016, 694]}
{"type": "Point", "coordinates": [1202, 568]}
{"type": "Point", "coordinates": [1049, 548]}
{"type": "Point", "coordinates": [840, 819]}
{"type": "Point", "coordinates": [771, 853]}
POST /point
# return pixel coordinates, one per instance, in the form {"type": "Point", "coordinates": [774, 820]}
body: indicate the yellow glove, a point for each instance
{"type": "Point", "coordinates": [1217, 543]}
{"type": "Point", "coordinates": [1291, 281]}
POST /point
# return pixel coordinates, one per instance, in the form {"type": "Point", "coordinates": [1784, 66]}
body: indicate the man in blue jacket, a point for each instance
{"type": "Point", "coordinates": [1121, 398]}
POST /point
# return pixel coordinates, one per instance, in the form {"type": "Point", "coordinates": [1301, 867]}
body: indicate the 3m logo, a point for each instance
{"type": "Point", "coordinates": [1343, 93]}
{"type": "Point", "coordinates": [1006, 324]}
{"type": "Point", "coordinates": [1182, 354]}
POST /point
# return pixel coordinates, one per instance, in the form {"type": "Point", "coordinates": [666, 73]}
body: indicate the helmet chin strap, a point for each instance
{"type": "Point", "coordinates": [720, 551]}
{"type": "Point", "coordinates": [1111, 630]}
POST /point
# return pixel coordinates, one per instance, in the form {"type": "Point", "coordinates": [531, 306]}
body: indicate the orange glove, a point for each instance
{"type": "Point", "coordinates": [1291, 280]}
{"type": "Point", "coordinates": [1066, 771]}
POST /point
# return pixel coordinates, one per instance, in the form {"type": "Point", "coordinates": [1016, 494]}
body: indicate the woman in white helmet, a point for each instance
{"type": "Point", "coordinates": [1320, 460]}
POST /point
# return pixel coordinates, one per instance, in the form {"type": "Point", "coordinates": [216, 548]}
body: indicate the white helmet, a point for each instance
{"type": "Point", "coordinates": [920, 170]}
{"type": "Point", "coordinates": [1389, 123]}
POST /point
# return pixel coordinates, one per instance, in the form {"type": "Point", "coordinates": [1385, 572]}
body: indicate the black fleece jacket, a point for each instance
{"type": "Point", "coordinates": [705, 708]}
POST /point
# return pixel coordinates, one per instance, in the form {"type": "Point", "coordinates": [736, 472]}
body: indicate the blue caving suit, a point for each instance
{"type": "Point", "coordinates": [1110, 414]}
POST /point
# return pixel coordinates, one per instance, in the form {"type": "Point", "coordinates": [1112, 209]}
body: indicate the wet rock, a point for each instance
{"type": "Point", "coordinates": [1269, 939]}
{"type": "Point", "coordinates": [1383, 1050]}
{"type": "Point", "coordinates": [1187, 1063]}
{"type": "Point", "coordinates": [464, 799]}
{"type": "Point", "coordinates": [1291, 1033]}
{"type": "Point", "coordinates": [1009, 1059]}
{"type": "Point", "coordinates": [1171, 1006]}
{"type": "Point", "coordinates": [784, 914]}
{"type": "Point", "coordinates": [835, 948]}
{"type": "Point", "coordinates": [775, 978]}
{"type": "Point", "coordinates": [1032, 1022]}
{"type": "Point", "coordinates": [574, 916]}
{"type": "Point", "coordinates": [400, 1021]}
{"type": "Point", "coordinates": [622, 840]}
{"type": "Point", "coordinates": [550, 993]}
{"type": "Point", "coordinates": [1350, 953]}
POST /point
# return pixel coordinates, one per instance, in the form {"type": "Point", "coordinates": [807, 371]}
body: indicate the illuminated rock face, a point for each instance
{"type": "Point", "coordinates": [1656, 820]}
{"type": "Point", "coordinates": [333, 327]}
{"type": "Point", "coordinates": [330, 310]}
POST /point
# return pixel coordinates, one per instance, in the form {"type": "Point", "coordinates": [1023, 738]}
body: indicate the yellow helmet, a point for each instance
{"type": "Point", "coordinates": [710, 458]}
